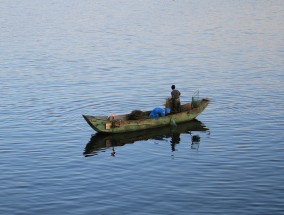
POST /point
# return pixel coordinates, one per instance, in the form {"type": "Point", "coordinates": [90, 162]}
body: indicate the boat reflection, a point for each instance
{"type": "Point", "coordinates": [100, 141]}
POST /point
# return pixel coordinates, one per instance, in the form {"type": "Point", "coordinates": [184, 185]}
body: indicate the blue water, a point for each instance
{"type": "Point", "coordinates": [62, 59]}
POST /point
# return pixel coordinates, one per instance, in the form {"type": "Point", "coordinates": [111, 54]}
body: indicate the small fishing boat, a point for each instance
{"type": "Point", "coordinates": [126, 122]}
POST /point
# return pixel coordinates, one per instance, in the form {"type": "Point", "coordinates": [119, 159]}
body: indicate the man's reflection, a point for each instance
{"type": "Point", "coordinates": [175, 140]}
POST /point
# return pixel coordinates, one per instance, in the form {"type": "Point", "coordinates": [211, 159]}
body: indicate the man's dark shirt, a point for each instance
{"type": "Point", "coordinates": [175, 94]}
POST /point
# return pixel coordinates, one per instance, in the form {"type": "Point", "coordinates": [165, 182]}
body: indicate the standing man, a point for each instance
{"type": "Point", "coordinates": [175, 99]}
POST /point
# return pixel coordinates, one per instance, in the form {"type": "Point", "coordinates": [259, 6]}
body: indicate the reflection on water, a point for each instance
{"type": "Point", "coordinates": [100, 141]}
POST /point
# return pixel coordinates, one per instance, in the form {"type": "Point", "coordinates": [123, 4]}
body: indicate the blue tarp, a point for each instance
{"type": "Point", "coordinates": [159, 112]}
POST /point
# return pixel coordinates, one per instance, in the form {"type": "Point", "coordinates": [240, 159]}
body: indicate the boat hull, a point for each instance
{"type": "Point", "coordinates": [113, 125]}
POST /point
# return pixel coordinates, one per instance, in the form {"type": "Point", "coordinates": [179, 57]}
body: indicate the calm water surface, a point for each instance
{"type": "Point", "coordinates": [62, 59]}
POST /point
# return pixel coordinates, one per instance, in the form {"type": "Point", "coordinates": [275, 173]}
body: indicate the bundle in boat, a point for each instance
{"type": "Point", "coordinates": [138, 114]}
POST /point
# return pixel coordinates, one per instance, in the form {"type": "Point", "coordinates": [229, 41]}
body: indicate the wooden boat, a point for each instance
{"type": "Point", "coordinates": [123, 123]}
{"type": "Point", "coordinates": [101, 141]}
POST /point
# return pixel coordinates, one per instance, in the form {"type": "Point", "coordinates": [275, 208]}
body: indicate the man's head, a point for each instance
{"type": "Point", "coordinates": [173, 87]}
